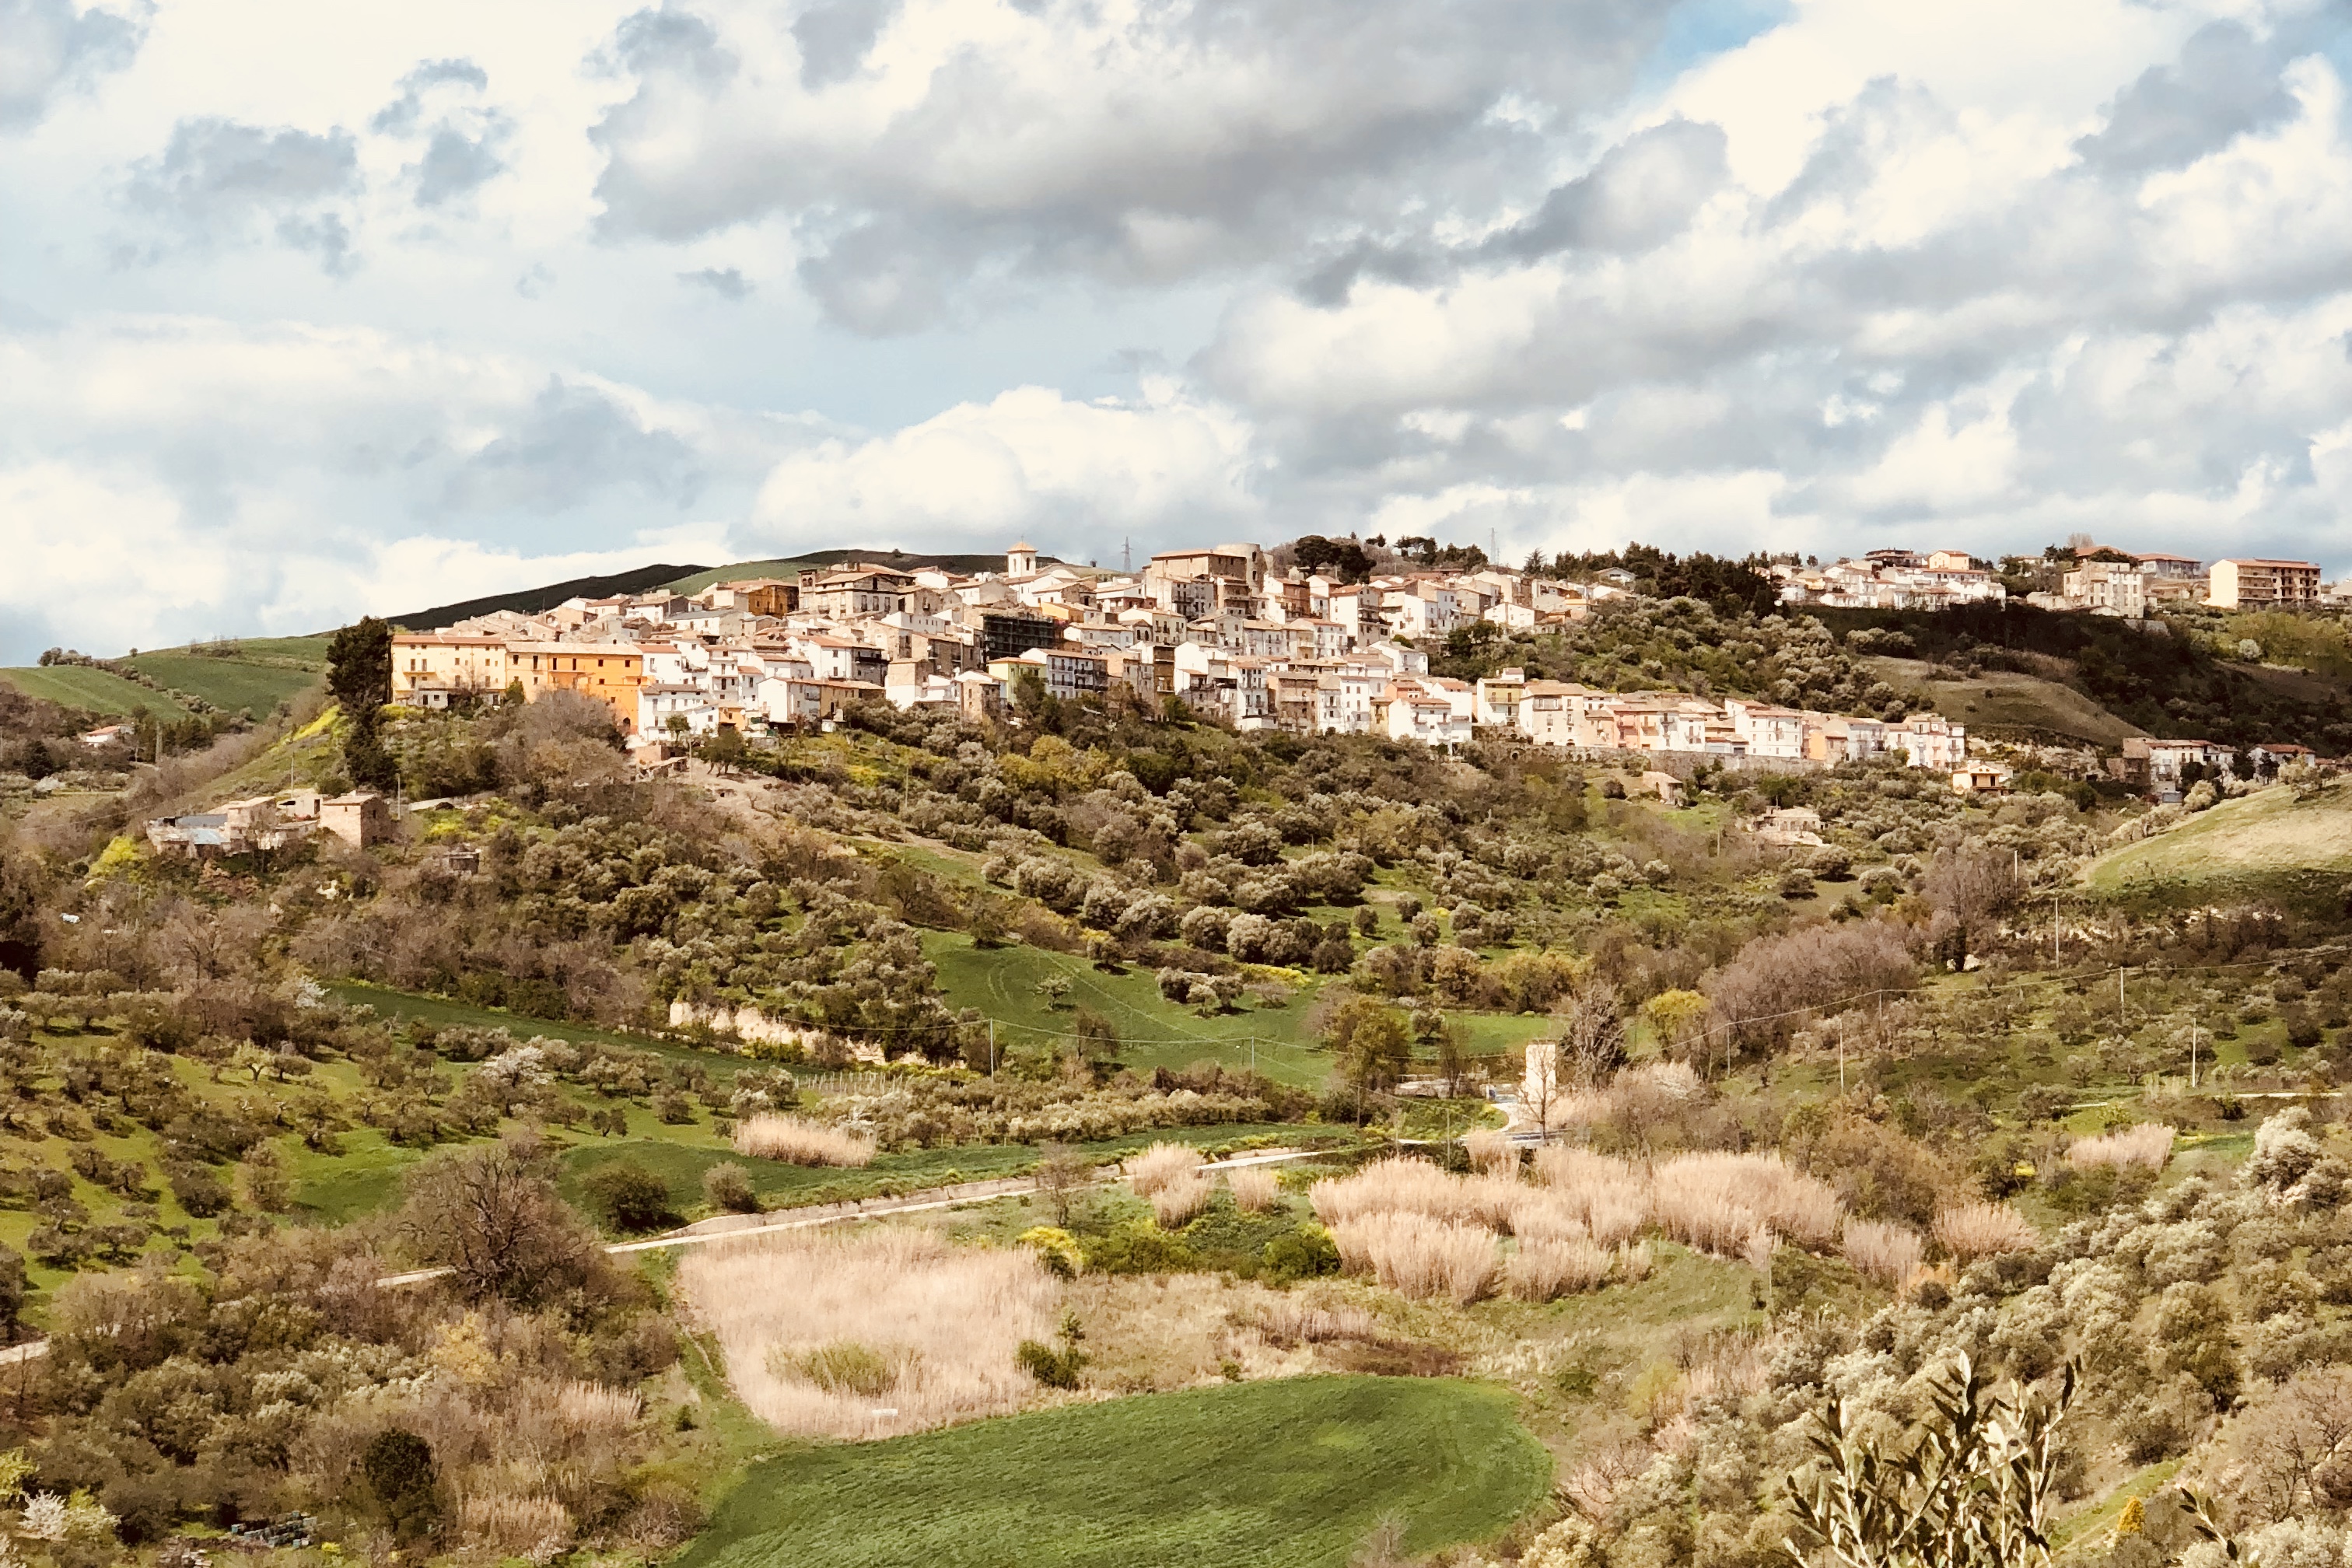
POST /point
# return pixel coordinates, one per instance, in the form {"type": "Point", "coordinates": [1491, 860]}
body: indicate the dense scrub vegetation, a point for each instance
{"type": "Point", "coordinates": [1829, 1115]}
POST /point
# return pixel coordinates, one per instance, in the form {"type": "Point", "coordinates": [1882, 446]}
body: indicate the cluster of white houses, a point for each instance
{"type": "Point", "coordinates": [2103, 581]}
{"type": "Point", "coordinates": [1217, 629]}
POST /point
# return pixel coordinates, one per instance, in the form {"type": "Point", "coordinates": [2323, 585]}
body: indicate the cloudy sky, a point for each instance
{"type": "Point", "coordinates": [311, 310]}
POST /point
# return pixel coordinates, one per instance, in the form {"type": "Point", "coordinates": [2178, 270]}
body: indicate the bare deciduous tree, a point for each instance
{"type": "Point", "coordinates": [492, 1218]}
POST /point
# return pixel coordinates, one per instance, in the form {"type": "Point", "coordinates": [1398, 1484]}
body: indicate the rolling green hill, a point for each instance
{"type": "Point", "coordinates": [254, 685]}
{"type": "Point", "coordinates": [1155, 1033]}
{"type": "Point", "coordinates": [93, 690]}
{"type": "Point", "coordinates": [2265, 841]}
{"type": "Point", "coordinates": [1289, 1473]}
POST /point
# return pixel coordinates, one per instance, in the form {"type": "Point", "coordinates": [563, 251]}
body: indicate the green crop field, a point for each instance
{"type": "Point", "coordinates": [1003, 983]}
{"type": "Point", "coordinates": [1283, 1474]}
{"type": "Point", "coordinates": [2265, 837]}
{"type": "Point", "coordinates": [93, 690]}
{"type": "Point", "coordinates": [229, 684]}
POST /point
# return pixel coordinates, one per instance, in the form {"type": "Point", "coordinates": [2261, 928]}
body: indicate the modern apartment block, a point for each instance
{"type": "Point", "coordinates": [2260, 585]}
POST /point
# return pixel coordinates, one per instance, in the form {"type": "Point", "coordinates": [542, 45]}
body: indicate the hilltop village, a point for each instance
{"type": "Point", "coordinates": [1219, 631]}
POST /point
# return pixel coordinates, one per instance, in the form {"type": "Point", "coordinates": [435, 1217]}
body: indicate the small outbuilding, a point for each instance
{"type": "Point", "coordinates": [361, 819]}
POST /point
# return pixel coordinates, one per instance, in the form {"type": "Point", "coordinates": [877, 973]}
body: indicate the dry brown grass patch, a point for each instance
{"type": "Point", "coordinates": [1175, 1202]}
{"type": "Point", "coordinates": [1255, 1189]}
{"type": "Point", "coordinates": [772, 1135]}
{"type": "Point", "coordinates": [2147, 1145]}
{"type": "Point", "coordinates": [1418, 1257]}
{"type": "Point", "coordinates": [823, 1331]}
{"type": "Point", "coordinates": [1160, 1164]}
{"type": "Point", "coordinates": [1542, 1270]}
{"type": "Point", "coordinates": [1889, 1254]}
{"type": "Point", "coordinates": [1719, 1202]}
{"type": "Point", "coordinates": [1492, 1154]}
{"type": "Point", "coordinates": [1970, 1231]}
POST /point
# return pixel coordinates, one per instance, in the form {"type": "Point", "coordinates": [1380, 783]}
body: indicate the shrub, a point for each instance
{"type": "Point", "coordinates": [728, 1188]}
{"type": "Point", "coordinates": [1889, 1254]}
{"type": "Point", "coordinates": [845, 1366]}
{"type": "Point", "coordinates": [2147, 1145]}
{"type": "Point", "coordinates": [1420, 1257]}
{"type": "Point", "coordinates": [1542, 1270]}
{"type": "Point", "coordinates": [1160, 1164]}
{"type": "Point", "coordinates": [629, 1196]}
{"type": "Point", "coordinates": [1970, 1231]}
{"type": "Point", "coordinates": [1254, 1188]}
{"type": "Point", "coordinates": [1306, 1253]}
{"type": "Point", "coordinates": [200, 1192]}
{"type": "Point", "coordinates": [1139, 1248]}
{"type": "Point", "coordinates": [772, 1135]}
{"type": "Point", "coordinates": [397, 1466]}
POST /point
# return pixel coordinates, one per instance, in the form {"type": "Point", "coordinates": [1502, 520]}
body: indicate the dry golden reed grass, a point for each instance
{"type": "Point", "coordinates": [823, 1333]}
{"type": "Point", "coordinates": [1492, 1154]}
{"type": "Point", "coordinates": [1394, 1185]}
{"type": "Point", "coordinates": [1607, 1196]}
{"type": "Point", "coordinates": [1177, 1200]}
{"type": "Point", "coordinates": [772, 1135]}
{"type": "Point", "coordinates": [598, 1406]}
{"type": "Point", "coordinates": [1634, 1262]}
{"type": "Point", "coordinates": [1542, 1214]}
{"type": "Point", "coordinates": [1718, 1202]}
{"type": "Point", "coordinates": [1419, 1256]}
{"type": "Point", "coordinates": [2147, 1145]}
{"type": "Point", "coordinates": [1255, 1189]}
{"type": "Point", "coordinates": [1890, 1254]}
{"type": "Point", "coordinates": [1289, 1321]}
{"type": "Point", "coordinates": [1542, 1270]}
{"type": "Point", "coordinates": [1970, 1231]}
{"type": "Point", "coordinates": [535, 1528]}
{"type": "Point", "coordinates": [1162, 1164]}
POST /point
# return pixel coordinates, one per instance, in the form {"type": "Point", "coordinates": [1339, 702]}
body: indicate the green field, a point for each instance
{"type": "Point", "coordinates": [1284, 1474]}
{"type": "Point", "coordinates": [93, 690]}
{"type": "Point", "coordinates": [1003, 983]}
{"type": "Point", "coordinates": [2268, 836]}
{"type": "Point", "coordinates": [229, 684]}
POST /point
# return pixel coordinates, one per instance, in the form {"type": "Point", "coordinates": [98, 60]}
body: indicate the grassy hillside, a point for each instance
{"type": "Point", "coordinates": [1278, 1040]}
{"type": "Point", "coordinates": [1999, 700]}
{"type": "Point", "coordinates": [531, 601]}
{"type": "Point", "coordinates": [252, 685]}
{"type": "Point", "coordinates": [93, 690]}
{"type": "Point", "coordinates": [2265, 840]}
{"type": "Point", "coordinates": [1284, 1474]}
